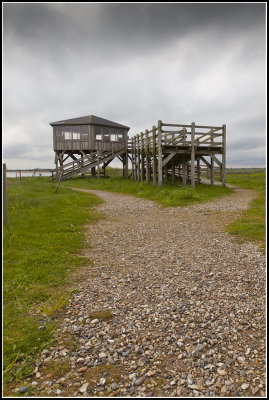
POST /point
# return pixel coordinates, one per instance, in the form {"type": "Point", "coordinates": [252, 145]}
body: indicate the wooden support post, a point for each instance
{"type": "Point", "coordinates": [192, 155]}
{"type": "Point", "coordinates": [154, 159]}
{"type": "Point", "coordinates": [139, 158]}
{"type": "Point", "coordinates": [173, 171]}
{"type": "Point", "coordinates": [160, 155]}
{"type": "Point", "coordinates": [133, 166]}
{"type": "Point", "coordinates": [212, 171]}
{"type": "Point", "coordinates": [126, 163]}
{"type": "Point", "coordinates": [20, 176]}
{"type": "Point", "coordinates": [93, 173]}
{"type": "Point", "coordinates": [212, 165]}
{"type": "Point", "coordinates": [142, 157]}
{"type": "Point", "coordinates": [184, 172]}
{"type": "Point", "coordinates": [147, 157]}
{"type": "Point", "coordinates": [98, 164]}
{"type": "Point", "coordinates": [198, 172]}
{"type": "Point", "coordinates": [135, 158]}
{"type": "Point", "coordinates": [165, 174]}
{"type": "Point", "coordinates": [208, 173]}
{"type": "Point", "coordinates": [82, 165]}
{"type": "Point", "coordinates": [5, 194]}
{"type": "Point", "coordinates": [223, 167]}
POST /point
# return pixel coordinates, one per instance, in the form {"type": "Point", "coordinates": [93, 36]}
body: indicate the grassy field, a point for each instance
{"type": "Point", "coordinates": [41, 244]}
{"type": "Point", "coordinates": [45, 235]}
{"type": "Point", "coordinates": [168, 195]}
{"type": "Point", "coordinates": [252, 225]}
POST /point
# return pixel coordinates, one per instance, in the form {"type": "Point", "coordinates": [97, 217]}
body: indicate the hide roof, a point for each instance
{"type": "Point", "coordinates": [89, 120]}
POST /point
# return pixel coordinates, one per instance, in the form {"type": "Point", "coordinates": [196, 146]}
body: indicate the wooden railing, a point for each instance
{"type": "Point", "coordinates": [177, 135]}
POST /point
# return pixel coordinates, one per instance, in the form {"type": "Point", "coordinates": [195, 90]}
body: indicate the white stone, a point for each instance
{"type": "Point", "coordinates": [83, 388]}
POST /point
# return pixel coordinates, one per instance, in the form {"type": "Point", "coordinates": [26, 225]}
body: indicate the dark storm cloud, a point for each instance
{"type": "Point", "coordinates": [134, 64]}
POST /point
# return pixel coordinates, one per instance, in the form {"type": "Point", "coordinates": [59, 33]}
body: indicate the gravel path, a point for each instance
{"type": "Point", "coordinates": [172, 306]}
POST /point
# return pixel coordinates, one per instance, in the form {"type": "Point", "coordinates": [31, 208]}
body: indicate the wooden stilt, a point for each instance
{"type": "Point", "coordinates": [142, 157]}
{"type": "Point", "coordinates": [184, 172]}
{"type": "Point", "coordinates": [154, 158]}
{"type": "Point", "coordinates": [192, 155]}
{"type": "Point", "coordinates": [139, 159]}
{"type": "Point", "coordinates": [223, 166]}
{"type": "Point", "coordinates": [173, 171]}
{"type": "Point", "coordinates": [160, 156]}
{"type": "Point", "coordinates": [198, 172]}
{"type": "Point", "coordinates": [147, 157]}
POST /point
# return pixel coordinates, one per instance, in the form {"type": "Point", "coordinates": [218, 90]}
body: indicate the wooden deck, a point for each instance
{"type": "Point", "coordinates": [181, 151]}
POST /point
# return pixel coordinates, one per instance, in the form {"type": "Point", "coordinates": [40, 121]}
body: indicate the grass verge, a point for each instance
{"type": "Point", "coordinates": [168, 196]}
{"type": "Point", "coordinates": [251, 225]}
{"type": "Point", "coordinates": [41, 243]}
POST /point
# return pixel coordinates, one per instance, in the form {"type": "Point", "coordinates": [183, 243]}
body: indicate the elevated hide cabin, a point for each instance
{"type": "Point", "coordinates": [91, 142]}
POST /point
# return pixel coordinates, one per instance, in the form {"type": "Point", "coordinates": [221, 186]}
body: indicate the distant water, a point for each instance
{"type": "Point", "coordinates": [29, 174]}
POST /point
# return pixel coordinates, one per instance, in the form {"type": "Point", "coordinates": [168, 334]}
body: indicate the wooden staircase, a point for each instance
{"type": "Point", "coordinates": [81, 165]}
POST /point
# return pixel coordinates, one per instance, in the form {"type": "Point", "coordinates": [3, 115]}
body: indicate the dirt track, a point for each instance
{"type": "Point", "coordinates": [184, 302]}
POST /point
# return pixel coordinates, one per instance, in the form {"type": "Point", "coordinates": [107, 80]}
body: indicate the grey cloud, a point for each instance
{"type": "Point", "coordinates": [134, 64]}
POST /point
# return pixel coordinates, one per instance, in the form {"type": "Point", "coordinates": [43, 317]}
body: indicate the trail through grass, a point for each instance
{"type": "Point", "coordinates": [168, 195]}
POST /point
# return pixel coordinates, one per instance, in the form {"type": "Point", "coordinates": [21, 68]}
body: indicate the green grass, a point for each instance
{"type": "Point", "coordinates": [41, 243]}
{"type": "Point", "coordinates": [167, 196]}
{"type": "Point", "coordinates": [252, 224]}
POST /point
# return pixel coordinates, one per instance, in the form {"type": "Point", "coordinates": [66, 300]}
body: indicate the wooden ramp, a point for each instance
{"type": "Point", "coordinates": [84, 164]}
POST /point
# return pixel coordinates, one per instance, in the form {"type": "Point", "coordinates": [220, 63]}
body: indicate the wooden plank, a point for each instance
{"type": "Point", "coordinates": [126, 160]}
{"type": "Point", "coordinates": [147, 157]}
{"type": "Point", "coordinates": [173, 171]}
{"type": "Point", "coordinates": [139, 159]}
{"type": "Point", "coordinates": [184, 172]}
{"type": "Point", "coordinates": [192, 155]}
{"type": "Point", "coordinates": [98, 164]}
{"type": "Point", "coordinates": [160, 174]}
{"type": "Point", "coordinates": [215, 159]}
{"type": "Point", "coordinates": [135, 158]}
{"type": "Point", "coordinates": [176, 125]}
{"type": "Point", "coordinates": [154, 159]}
{"type": "Point", "coordinates": [165, 174]}
{"type": "Point", "coordinates": [223, 167]}
{"type": "Point", "coordinates": [198, 172]}
{"type": "Point", "coordinates": [132, 154]}
{"type": "Point", "coordinates": [142, 157]}
{"type": "Point", "coordinates": [168, 158]}
{"type": "Point", "coordinates": [205, 161]}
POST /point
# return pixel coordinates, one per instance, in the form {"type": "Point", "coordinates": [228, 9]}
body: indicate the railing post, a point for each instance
{"type": "Point", "coordinates": [135, 157]}
{"type": "Point", "coordinates": [132, 141]}
{"type": "Point", "coordinates": [138, 158]}
{"type": "Point", "coordinates": [223, 167]}
{"type": "Point", "coordinates": [126, 160]}
{"type": "Point", "coordinates": [184, 172]}
{"type": "Point", "coordinates": [160, 155]}
{"type": "Point", "coordinates": [142, 157]}
{"type": "Point", "coordinates": [154, 161]}
{"type": "Point", "coordinates": [173, 170]}
{"type": "Point", "coordinates": [147, 157]}
{"type": "Point", "coordinates": [5, 194]}
{"type": "Point", "coordinates": [192, 155]}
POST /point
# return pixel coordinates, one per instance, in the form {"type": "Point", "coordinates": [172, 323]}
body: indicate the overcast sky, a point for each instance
{"type": "Point", "coordinates": [133, 64]}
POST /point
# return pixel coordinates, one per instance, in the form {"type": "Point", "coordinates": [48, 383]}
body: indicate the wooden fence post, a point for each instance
{"type": "Point", "coordinates": [147, 157]}
{"type": "Point", "coordinates": [192, 155]}
{"type": "Point", "coordinates": [5, 194]}
{"type": "Point", "coordinates": [154, 161]}
{"type": "Point", "coordinates": [223, 166]}
{"type": "Point", "coordinates": [160, 156]}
